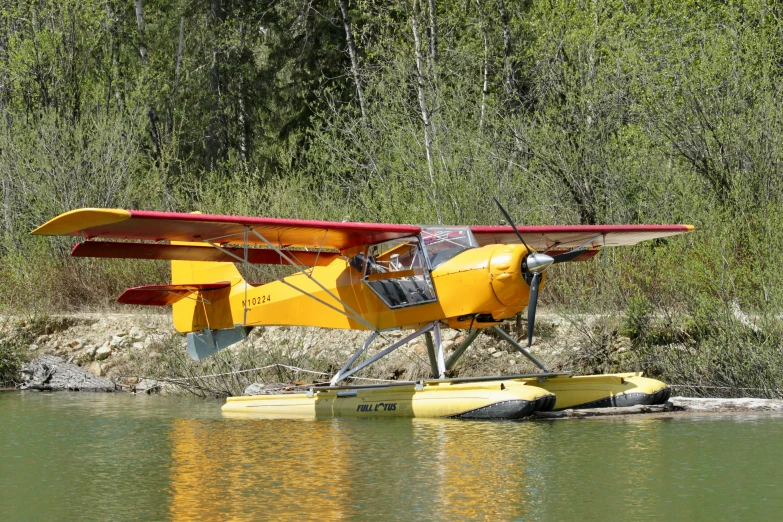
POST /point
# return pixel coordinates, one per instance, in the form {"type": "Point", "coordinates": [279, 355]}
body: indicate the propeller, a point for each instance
{"type": "Point", "coordinates": [533, 266]}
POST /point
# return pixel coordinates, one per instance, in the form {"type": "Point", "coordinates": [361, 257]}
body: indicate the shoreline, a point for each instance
{"type": "Point", "coordinates": [676, 408]}
{"type": "Point", "coordinates": [142, 351]}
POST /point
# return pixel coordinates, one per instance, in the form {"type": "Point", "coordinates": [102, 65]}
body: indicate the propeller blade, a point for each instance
{"type": "Point", "coordinates": [569, 256]}
{"type": "Point", "coordinates": [511, 222]}
{"type": "Point", "coordinates": [531, 307]}
{"type": "Point", "coordinates": [574, 253]}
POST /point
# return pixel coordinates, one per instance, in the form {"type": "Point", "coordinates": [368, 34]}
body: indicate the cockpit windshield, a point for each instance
{"type": "Point", "coordinates": [443, 243]}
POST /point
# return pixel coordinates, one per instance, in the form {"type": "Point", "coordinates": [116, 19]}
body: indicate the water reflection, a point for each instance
{"type": "Point", "coordinates": [256, 469]}
{"type": "Point", "coordinates": [115, 457]}
{"type": "Point", "coordinates": [343, 467]}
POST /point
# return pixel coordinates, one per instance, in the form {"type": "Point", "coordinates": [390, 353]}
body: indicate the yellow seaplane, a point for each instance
{"type": "Point", "coordinates": [367, 276]}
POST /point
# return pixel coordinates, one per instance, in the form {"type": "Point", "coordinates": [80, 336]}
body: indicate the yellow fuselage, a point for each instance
{"type": "Point", "coordinates": [477, 288]}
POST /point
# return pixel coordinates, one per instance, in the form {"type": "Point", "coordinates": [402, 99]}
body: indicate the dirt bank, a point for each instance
{"type": "Point", "coordinates": [112, 345]}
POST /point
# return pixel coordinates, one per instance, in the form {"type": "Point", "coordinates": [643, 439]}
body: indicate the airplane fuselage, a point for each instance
{"type": "Point", "coordinates": [476, 288]}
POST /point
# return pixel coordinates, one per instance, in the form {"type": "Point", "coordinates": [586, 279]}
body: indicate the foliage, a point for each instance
{"type": "Point", "coordinates": [599, 112]}
{"type": "Point", "coordinates": [11, 359]}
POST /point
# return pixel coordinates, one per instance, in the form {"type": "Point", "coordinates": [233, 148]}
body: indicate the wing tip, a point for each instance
{"type": "Point", "coordinates": [76, 221]}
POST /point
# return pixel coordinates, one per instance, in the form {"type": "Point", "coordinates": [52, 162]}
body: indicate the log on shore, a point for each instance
{"type": "Point", "coordinates": [675, 405]}
{"type": "Point", "coordinates": [51, 373]}
{"type": "Point", "coordinates": [747, 404]}
{"type": "Point", "coordinates": [603, 412]}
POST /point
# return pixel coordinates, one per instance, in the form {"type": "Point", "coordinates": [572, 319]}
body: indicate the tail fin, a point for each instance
{"type": "Point", "coordinates": [213, 309]}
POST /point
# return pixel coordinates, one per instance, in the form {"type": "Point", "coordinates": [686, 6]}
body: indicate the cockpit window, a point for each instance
{"type": "Point", "coordinates": [443, 243]}
{"type": "Point", "coordinates": [396, 270]}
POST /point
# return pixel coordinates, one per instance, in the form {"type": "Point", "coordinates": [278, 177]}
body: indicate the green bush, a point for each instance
{"type": "Point", "coordinates": [11, 359]}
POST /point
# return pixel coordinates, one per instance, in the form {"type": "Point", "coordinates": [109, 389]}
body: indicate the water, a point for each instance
{"type": "Point", "coordinates": [118, 457]}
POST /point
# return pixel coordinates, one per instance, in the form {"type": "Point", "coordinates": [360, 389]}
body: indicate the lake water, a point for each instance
{"type": "Point", "coordinates": [70, 456]}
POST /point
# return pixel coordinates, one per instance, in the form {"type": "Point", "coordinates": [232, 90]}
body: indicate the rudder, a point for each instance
{"type": "Point", "coordinates": [213, 308]}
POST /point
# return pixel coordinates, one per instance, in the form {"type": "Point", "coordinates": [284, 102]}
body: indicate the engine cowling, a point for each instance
{"type": "Point", "coordinates": [486, 281]}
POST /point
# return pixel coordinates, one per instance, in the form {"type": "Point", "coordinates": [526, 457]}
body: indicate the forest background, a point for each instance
{"type": "Point", "coordinates": [419, 111]}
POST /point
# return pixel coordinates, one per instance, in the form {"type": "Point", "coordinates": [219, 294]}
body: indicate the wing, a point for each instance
{"type": "Point", "coordinates": [564, 237]}
{"type": "Point", "coordinates": [93, 223]}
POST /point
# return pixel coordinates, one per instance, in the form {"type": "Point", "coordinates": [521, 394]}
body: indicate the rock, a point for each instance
{"type": "Point", "coordinates": [154, 340]}
{"type": "Point", "coordinates": [117, 341]}
{"type": "Point", "coordinates": [136, 333]}
{"type": "Point", "coordinates": [147, 385]}
{"type": "Point", "coordinates": [419, 347]}
{"type": "Point", "coordinates": [74, 343]}
{"type": "Point", "coordinates": [91, 351]}
{"type": "Point", "coordinates": [52, 373]}
{"type": "Point", "coordinates": [102, 353]}
{"type": "Point", "coordinates": [448, 345]}
{"type": "Point", "coordinates": [497, 354]}
{"type": "Point", "coordinates": [137, 346]}
{"type": "Point", "coordinates": [33, 347]}
{"type": "Point", "coordinates": [95, 369]}
{"type": "Point", "coordinates": [41, 339]}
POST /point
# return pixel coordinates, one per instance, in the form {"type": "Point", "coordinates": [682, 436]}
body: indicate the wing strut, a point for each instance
{"type": "Point", "coordinates": [354, 317]}
{"type": "Point", "coordinates": [244, 276]}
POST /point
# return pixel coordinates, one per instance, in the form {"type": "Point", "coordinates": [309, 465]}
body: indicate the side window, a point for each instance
{"type": "Point", "coordinates": [397, 272]}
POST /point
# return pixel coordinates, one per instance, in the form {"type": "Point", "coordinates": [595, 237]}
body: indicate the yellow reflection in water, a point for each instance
{"type": "Point", "coordinates": [262, 469]}
{"type": "Point", "coordinates": [479, 468]}
{"type": "Point", "coordinates": [240, 472]}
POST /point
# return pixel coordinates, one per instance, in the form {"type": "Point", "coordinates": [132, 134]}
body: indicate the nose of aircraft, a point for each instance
{"type": "Point", "coordinates": [537, 263]}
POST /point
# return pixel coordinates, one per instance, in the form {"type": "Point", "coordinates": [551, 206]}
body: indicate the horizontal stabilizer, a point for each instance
{"type": "Point", "coordinates": [163, 295]}
{"type": "Point", "coordinates": [257, 256]}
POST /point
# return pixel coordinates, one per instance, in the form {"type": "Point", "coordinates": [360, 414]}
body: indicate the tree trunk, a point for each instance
{"type": "Point", "coordinates": [508, 61]}
{"type": "Point", "coordinates": [5, 95]}
{"type": "Point", "coordinates": [485, 86]}
{"type": "Point", "coordinates": [215, 141]}
{"type": "Point", "coordinates": [151, 112]}
{"type": "Point", "coordinates": [354, 56]}
{"type": "Point", "coordinates": [180, 43]}
{"type": "Point", "coordinates": [241, 121]}
{"type": "Point", "coordinates": [433, 33]}
{"type": "Point", "coordinates": [142, 32]}
{"type": "Point", "coordinates": [425, 114]}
